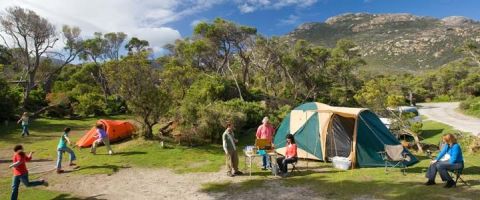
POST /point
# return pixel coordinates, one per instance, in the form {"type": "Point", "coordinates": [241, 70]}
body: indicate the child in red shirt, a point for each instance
{"type": "Point", "coordinates": [20, 171]}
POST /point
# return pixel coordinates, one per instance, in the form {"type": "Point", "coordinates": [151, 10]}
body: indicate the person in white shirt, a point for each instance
{"type": "Point", "coordinates": [230, 149]}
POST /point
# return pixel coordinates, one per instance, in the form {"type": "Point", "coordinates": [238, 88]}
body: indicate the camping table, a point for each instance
{"type": "Point", "coordinates": [250, 156]}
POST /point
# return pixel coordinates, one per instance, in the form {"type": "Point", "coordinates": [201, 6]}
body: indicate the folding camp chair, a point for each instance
{"type": "Point", "coordinates": [294, 167]}
{"type": "Point", "coordinates": [395, 155]}
{"type": "Point", "coordinates": [457, 174]}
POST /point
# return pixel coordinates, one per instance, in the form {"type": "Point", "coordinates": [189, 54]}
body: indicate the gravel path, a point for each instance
{"type": "Point", "coordinates": [447, 114]}
{"type": "Point", "coordinates": [138, 183]}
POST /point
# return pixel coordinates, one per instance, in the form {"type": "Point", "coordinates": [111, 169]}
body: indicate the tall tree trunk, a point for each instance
{"type": "Point", "coordinates": [236, 82]}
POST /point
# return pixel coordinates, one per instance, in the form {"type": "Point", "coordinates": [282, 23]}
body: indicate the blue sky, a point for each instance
{"type": "Point", "coordinates": [164, 21]}
{"type": "Point", "coordinates": [278, 21]}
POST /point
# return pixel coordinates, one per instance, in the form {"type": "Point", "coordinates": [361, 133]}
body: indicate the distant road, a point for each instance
{"type": "Point", "coordinates": [447, 114]}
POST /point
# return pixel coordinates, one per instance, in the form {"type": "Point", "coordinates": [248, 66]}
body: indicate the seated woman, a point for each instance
{"type": "Point", "coordinates": [450, 158]}
{"type": "Point", "coordinates": [290, 155]}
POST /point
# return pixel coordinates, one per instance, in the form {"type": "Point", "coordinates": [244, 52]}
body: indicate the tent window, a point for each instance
{"type": "Point", "coordinates": [340, 136]}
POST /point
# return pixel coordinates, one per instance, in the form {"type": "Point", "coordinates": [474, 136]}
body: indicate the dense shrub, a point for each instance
{"type": "Point", "coordinates": [9, 101]}
{"type": "Point", "coordinates": [115, 105]}
{"type": "Point", "coordinates": [471, 106]}
{"type": "Point", "coordinates": [210, 118]}
{"type": "Point", "coordinates": [90, 104]}
{"type": "Point", "coordinates": [36, 100]}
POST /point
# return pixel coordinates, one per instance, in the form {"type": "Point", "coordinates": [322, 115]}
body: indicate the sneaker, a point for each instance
{"type": "Point", "coordinates": [449, 184]}
{"type": "Point", "coordinates": [264, 168]}
{"type": "Point", "coordinates": [230, 175]}
{"type": "Point", "coordinates": [110, 152]}
{"type": "Point", "coordinates": [238, 173]}
{"type": "Point", "coordinates": [429, 183]}
{"type": "Point", "coordinates": [44, 182]}
{"type": "Point", "coordinates": [72, 164]}
{"type": "Point", "coordinates": [59, 171]}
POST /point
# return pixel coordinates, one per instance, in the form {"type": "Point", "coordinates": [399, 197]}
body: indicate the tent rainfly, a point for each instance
{"type": "Point", "coordinates": [323, 132]}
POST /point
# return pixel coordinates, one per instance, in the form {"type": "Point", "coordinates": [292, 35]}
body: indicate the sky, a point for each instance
{"type": "Point", "coordinates": [163, 21]}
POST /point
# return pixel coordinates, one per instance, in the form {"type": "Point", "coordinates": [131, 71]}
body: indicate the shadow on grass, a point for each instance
{"type": "Point", "coordinates": [430, 133]}
{"type": "Point", "coordinates": [130, 153]}
{"type": "Point", "coordinates": [469, 170]}
{"type": "Point", "coordinates": [68, 197]}
{"type": "Point", "coordinates": [323, 187]}
{"type": "Point", "coordinates": [41, 160]}
{"type": "Point", "coordinates": [114, 168]}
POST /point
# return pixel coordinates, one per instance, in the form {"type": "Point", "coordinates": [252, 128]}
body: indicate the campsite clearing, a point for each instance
{"type": "Point", "coordinates": [199, 171]}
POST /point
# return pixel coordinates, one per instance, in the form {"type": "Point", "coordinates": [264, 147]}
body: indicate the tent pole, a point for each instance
{"type": "Point", "coordinates": [308, 161]}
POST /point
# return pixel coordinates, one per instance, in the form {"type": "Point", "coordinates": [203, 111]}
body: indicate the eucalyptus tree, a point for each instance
{"type": "Point", "coordinates": [32, 36]}
{"type": "Point", "coordinates": [227, 40]}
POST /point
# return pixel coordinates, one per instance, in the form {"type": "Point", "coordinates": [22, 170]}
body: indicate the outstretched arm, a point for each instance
{"type": "Point", "coordinates": [15, 164]}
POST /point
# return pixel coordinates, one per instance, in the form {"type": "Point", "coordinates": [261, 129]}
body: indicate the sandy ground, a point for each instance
{"type": "Point", "coordinates": [447, 114]}
{"type": "Point", "coordinates": [136, 183]}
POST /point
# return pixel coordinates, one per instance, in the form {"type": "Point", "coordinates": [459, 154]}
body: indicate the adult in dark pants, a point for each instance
{"type": "Point", "coordinates": [450, 158]}
{"type": "Point", "coordinates": [230, 150]}
{"type": "Point", "coordinates": [290, 155]}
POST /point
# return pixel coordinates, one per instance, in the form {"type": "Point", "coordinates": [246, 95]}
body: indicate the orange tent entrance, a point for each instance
{"type": "Point", "coordinates": [116, 130]}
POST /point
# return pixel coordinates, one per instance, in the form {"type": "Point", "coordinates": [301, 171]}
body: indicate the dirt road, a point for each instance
{"type": "Point", "coordinates": [447, 114]}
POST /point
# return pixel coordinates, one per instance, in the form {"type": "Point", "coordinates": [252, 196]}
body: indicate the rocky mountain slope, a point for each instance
{"type": "Point", "coordinates": [395, 41]}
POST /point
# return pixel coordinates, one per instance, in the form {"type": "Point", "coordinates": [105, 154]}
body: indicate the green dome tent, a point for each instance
{"type": "Point", "coordinates": [322, 132]}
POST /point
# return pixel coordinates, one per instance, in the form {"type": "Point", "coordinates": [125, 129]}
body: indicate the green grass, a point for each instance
{"type": "Point", "coordinates": [432, 131]}
{"type": "Point", "coordinates": [370, 182]}
{"type": "Point", "coordinates": [470, 107]}
{"type": "Point", "coordinates": [329, 183]}
{"type": "Point", "coordinates": [471, 112]}
{"type": "Point", "coordinates": [134, 153]}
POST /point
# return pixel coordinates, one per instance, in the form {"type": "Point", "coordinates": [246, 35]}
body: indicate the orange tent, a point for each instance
{"type": "Point", "coordinates": [116, 130]}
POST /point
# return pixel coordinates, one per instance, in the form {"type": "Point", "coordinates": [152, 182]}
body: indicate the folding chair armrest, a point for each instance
{"type": "Point", "coordinates": [383, 154]}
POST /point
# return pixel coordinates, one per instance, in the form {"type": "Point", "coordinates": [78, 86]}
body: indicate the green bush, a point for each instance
{"type": "Point", "coordinates": [442, 98]}
{"type": "Point", "coordinates": [471, 106]}
{"type": "Point", "coordinates": [115, 105]}
{"type": "Point", "coordinates": [254, 111]}
{"type": "Point", "coordinates": [36, 100]}
{"type": "Point", "coordinates": [9, 101]}
{"type": "Point", "coordinates": [210, 119]}
{"type": "Point", "coordinates": [90, 104]}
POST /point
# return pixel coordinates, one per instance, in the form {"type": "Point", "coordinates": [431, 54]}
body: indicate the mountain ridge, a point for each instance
{"type": "Point", "coordinates": [397, 41]}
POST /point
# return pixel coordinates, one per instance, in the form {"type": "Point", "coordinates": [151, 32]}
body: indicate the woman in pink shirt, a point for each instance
{"type": "Point", "coordinates": [290, 155]}
{"type": "Point", "coordinates": [265, 131]}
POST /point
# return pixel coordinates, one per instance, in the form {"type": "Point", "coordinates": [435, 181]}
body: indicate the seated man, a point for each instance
{"type": "Point", "coordinates": [290, 155]}
{"type": "Point", "coordinates": [450, 158]}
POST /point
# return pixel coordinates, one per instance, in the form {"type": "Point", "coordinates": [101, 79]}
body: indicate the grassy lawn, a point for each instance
{"type": "Point", "coordinates": [432, 131]}
{"type": "Point", "coordinates": [134, 153]}
{"type": "Point", "coordinates": [329, 183]}
{"type": "Point", "coordinates": [372, 182]}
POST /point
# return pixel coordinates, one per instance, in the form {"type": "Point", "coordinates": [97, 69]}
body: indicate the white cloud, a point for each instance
{"type": "Point", "coordinates": [290, 20]}
{"type": "Point", "coordinates": [248, 6]}
{"type": "Point", "coordinates": [197, 21]}
{"type": "Point", "coordinates": [146, 19]}
{"type": "Point", "coordinates": [245, 8]}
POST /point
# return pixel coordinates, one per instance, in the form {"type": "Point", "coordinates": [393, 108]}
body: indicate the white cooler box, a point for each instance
{"type": "Point", "coordinates": [341, 163]}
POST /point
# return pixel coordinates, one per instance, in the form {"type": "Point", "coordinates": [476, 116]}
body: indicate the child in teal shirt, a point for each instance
{"type": "Point", "coordinates": [61, 148]}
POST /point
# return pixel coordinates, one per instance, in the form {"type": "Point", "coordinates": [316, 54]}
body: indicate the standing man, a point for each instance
{"type": "Point", "coordinates": [265, 131]}
{"type": "Point", "coordinates": [231, 156]}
